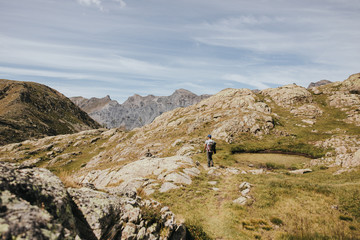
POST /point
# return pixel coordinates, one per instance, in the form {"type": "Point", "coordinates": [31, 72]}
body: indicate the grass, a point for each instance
{"type": "Point", "coordinates": [284, 206]}
{"type": "Point", "coordinates": [271, 161]}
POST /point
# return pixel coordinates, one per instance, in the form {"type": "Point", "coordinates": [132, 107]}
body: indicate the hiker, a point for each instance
{"type": "Point", "coordinates": [210, 148]}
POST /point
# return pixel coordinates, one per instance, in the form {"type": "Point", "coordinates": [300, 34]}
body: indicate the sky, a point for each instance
{"type": "Point", "coordinates": [94, 48]}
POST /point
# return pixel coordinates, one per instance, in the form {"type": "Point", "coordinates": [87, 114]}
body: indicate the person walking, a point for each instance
{"type": "Point", "coordinates": [210, 148]}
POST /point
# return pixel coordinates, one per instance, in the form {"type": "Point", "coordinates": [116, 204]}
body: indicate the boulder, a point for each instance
{"type": "Point", "coordinates": [41, 196]}
{"type": "Point", "coordinates": [241, 200]}
{"type": "Point", "coordinates": [167, 186]}
{"type": "Point", "coordinates": [301, 171]}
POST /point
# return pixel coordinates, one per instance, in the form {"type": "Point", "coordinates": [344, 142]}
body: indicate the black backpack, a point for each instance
{"type": "Point", "coordinates": [212, 146]}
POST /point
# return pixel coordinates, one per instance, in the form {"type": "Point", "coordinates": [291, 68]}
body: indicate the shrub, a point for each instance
{"type": "Point", "coordinates": [270, 166]}
{"type": "Point", "coordinates": [276, 221]}
{"type": "Point", "coordinates": [352, 228]}
{"type": "Point", "coordinates": [350, 202]}
{"type": "Point", "coordinates": [151, 214]}
{"type": "Point", "coordinates": [195, 231]}
{"type": "Point", "coordinates": [345, 218]}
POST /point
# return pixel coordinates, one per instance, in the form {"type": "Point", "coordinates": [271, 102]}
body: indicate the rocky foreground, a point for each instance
{"type": "Point", "coordinates": [35, 204]}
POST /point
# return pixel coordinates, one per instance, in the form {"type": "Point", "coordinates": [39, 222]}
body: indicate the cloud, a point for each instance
{"type": "Point", "coordinates": [121, 2]}
{"type": "Point", "coordinates": [96, 3]}
{"type": "Point", "coordinates": [318, 36]}
{"type": "Point", "coordinates": [100, 3]}
{"type": "Point", "coordinates": [245, 80]}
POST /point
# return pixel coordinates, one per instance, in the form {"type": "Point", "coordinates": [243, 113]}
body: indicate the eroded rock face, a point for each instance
{"type": "Point", "coordinates": [35, 205]}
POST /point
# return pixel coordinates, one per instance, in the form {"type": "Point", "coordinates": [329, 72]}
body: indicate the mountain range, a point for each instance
{"type": "Point", "coordinates": [137, 110]}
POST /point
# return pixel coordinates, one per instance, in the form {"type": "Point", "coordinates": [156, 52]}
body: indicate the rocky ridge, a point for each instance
{"type": "Point", "coordinates": [136, 111]}
{"type": "Point", "coordinates": [32, 110]}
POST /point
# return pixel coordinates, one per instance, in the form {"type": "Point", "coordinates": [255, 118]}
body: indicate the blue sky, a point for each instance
{"type": "Point", "coordinates": [95, 48]}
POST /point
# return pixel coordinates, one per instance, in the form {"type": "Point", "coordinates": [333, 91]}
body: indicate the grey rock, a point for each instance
{"type": "Point", "coordinates": [301, 171]}
{"type": "Point", "coordinates": [212, 182]}
{"type": "Point", "coordinates": [48, 199]}
{"type": "Point", "coordinates": [257, 171]}
{"type": "Point", "coordinates": [35, 205]}
{"type": "Point", "coordinates": [240, 200]}
{"type": "Point", "coordinates": [167, 186]}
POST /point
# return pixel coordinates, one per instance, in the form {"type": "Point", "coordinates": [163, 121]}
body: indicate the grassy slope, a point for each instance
{"type": "Point", "coordinates": [34, 110]}
{"type": "Point", "coordinates": [305, 204]}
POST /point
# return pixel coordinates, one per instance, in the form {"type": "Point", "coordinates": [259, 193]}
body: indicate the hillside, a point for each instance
{"type": "Point", "coordinates": [137, 110]}
{"type": "Point", "coordinates": [31, 110]}
{"type": "Point", "coordinates": [251, 193]}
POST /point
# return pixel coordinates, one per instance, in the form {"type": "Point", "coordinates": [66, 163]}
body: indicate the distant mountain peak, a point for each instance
{"type": "Point", "coordinates": [319, 83]}
{"type": "Point", "coordinates": [137, 110]}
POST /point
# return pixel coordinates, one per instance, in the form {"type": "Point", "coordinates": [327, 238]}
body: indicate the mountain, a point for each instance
{"type": "Point", "coordinates": [287, 164]}
{"type": "Point", "coordinates": [31, 110]}
{"type": "Point", "coordinates": [136, 111]}
{"type": "Point", "coordinates": [91, 105]}
{"type": "Point", "coordinates": [318, 83]}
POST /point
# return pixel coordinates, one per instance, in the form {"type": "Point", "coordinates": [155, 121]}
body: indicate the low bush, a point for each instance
{"type": "Point", "coordinates": [350, 202]}
{"type": "Point", "coordinates": [345, 218]}
{"type": "Point", "coordinates": [151, 214]}
{"type": "Point", "coordinates": [195, 231]}
{"type": "Point", "coordinates": [276, 221]}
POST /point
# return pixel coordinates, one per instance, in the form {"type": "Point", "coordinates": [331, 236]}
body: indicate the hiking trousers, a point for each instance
{"type": "Point", "coordinates": [209, 159]}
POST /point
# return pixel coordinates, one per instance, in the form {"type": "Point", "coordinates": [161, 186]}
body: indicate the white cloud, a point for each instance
{"type": "Point", "coordinates": [100, 3]}
{"type": "Point", "coordinates": [96, 3]}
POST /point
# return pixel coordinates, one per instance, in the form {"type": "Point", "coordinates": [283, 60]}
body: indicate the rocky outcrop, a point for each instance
{"type": "Point", "coordinates": [35, 205]}
{"type": "Point", "coordinates": [352, 84]}
{"type": "Point", "coordinates": [147, 174]}
{"type": "Point", "coordinates": [31, 110]}
{"type": "Point", "coordinates": [38, 197]}
{"type": "Point", "coordinates": [318, 83]}
{"type": "Point", "coordinates": [136, 111]}
{"type": "Point", "coordinates": [289, 95]}
{"type": "Point", "coordinates": [344, 96]}
{"type": "Point", "coordinates": [345, 154]}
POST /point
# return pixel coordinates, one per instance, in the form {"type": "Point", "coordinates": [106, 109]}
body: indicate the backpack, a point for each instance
{"type": "Point", "coordinates": [211, 146]}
